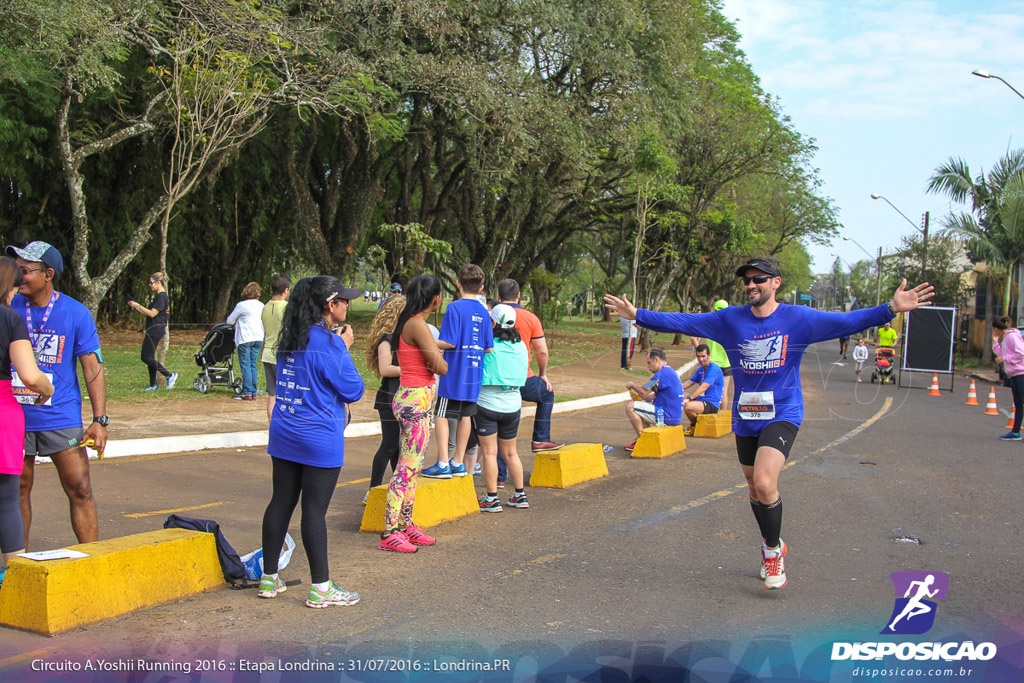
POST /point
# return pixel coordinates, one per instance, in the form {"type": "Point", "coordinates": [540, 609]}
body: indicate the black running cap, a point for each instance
{"type": "Point", "coordinates": [770, 266]}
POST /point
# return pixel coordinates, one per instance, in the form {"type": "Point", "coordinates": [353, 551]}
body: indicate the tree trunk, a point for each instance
{"type": "Point", "coordinates": [986, 349]}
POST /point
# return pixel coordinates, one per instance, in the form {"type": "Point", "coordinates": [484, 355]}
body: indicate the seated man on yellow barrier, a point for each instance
{"type": "Point", "coordinates": [707, 397]}
{"type": "Point", "coordinates": [666, 390]}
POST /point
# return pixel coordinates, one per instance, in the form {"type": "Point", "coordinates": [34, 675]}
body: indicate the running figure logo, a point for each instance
{"type": "Point", "coordinates": [763, 354]}
{"type": "Point", "coordinates": [914, 613]}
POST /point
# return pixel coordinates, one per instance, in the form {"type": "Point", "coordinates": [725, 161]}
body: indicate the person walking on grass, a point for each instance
{"type": "Point", "coordinates": [271, 317]}
{"type": "Point", "coordinates": [382, 359]}
{"type": "Point", "coordinates": [156, 327]}
{"type": "Point", "coordinates": [316, 380]}
{"type": "Point", "coordinates": [248, 322]}
{"type": "Point", "coordinates": [766, 341]}
{"type": "Point", "coordinates": [16, 351]}
{"type": "Point", "coordinates": [419, 360]}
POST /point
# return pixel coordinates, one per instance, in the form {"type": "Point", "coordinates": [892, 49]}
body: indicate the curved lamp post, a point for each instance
{"type": "Point", "coordinates": [985, 74]}
{"type": "Point", "coordinates": [878, 265]}
{"type": "Point", "coordinates": [923, 231]}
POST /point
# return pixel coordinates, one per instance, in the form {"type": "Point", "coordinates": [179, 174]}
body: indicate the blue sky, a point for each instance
{"type": "Point", "coordinates": [886, 90]}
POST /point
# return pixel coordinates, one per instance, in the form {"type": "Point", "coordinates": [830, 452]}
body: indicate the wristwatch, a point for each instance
{"type": "Point", "coordinates": [102, 419]}
{"type": "Point", "coordinates": [892, 311]}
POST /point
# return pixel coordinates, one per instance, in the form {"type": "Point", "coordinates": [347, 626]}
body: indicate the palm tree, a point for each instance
{"type": "Point", "coordinates": [994, 227]}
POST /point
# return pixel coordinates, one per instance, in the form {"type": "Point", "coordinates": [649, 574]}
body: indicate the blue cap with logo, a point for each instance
{"type": "Point", "coordinates": [41, 252]}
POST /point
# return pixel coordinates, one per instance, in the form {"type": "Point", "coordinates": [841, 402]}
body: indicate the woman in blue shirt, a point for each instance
{"type": "Point", "coordinates": [316, 378]}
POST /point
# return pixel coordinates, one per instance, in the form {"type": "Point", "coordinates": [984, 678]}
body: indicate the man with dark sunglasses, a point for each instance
{"type": "Point", "coordinates": [765, 342]}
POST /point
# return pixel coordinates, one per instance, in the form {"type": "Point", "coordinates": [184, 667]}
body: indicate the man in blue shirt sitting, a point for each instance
{"type": "Point", "coordinates": [666, 390]}
{"type": "Point", "coordinates": [707, 397]}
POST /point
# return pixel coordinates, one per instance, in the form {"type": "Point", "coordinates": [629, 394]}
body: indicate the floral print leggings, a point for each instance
{"type": "Point", "coordinates": [411, 407]}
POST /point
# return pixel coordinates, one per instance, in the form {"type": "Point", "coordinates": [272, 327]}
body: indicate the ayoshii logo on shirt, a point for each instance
{"type": "Point", "coordinates": [764, 353]}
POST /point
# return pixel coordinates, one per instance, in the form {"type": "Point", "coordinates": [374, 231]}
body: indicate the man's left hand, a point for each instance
{"type": "Point", "coordinates": [547, 382]}
{"type": "Point", "coordinates": [908, 299]}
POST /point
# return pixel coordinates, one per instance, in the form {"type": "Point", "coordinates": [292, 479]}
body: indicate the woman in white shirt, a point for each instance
{"type": "Point", "coordinates": [247, 319]}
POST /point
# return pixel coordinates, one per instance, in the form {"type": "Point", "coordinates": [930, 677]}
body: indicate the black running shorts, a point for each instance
{"type": "Point", "coordinates": [778, 435]}
{"type": "Point", "coordinates": [488, 422]}
{"type": "Point", "coordinates": [451, 408]}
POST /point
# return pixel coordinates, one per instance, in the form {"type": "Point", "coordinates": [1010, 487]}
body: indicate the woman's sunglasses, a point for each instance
{"type": "Point", "coordinates": [756, 279]}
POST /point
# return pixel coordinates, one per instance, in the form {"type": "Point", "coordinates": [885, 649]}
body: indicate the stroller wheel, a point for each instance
{"type": "Point", "coordinates": [873, 377]}
{"type": "Point", "coordinates": [202, 384]}
{"type": "Point", "coordinates": [237, 387]}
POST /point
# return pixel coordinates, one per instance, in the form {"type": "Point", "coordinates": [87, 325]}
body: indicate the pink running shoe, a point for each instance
{"type": "Point", "coordinates": [397, 542]}
{"type": "Point", "coordinates": [417, 537]}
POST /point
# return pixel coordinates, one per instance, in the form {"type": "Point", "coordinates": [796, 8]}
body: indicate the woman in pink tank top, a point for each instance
{"type": "Point", "coordinates": [16, 350]}
{"type": "Point", "coordinates": [419, 359]}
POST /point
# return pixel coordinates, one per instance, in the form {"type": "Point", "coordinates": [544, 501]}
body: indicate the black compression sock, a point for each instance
{"type": "Point", "coordinates": [772, 515]}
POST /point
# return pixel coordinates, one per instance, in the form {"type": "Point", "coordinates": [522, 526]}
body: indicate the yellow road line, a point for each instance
{"type": "Point", "coordinates": [354, 481]}
{"type": "Point", "coordinates": [169, 512]}
{"type": "Point", "coordinates": [543, 559]}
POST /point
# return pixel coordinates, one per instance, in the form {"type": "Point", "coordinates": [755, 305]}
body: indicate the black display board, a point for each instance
{"type": "Point", "coordinates": [929, 340]}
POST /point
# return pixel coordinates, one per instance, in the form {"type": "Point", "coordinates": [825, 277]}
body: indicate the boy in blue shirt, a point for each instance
{"type": "Point", "coordinates": [766, 341]}
{"type": "Point", "coordinates": [666, 390]}
{"type": "Point", "coordinates": [710, 383]}
{"type": "Point", "coordinates": [466, 336]}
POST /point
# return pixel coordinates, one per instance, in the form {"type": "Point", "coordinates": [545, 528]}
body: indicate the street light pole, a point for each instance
{"type": "Point", "coordinates": [923, 231]}
{"type": "Point", "coordinates": [984, 74]}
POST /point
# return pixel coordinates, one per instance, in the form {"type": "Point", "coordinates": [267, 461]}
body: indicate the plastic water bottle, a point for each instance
{"type": "Point", "coordinates": [608, 449]}
{"type": "Point", "coordinates": [660, 413]}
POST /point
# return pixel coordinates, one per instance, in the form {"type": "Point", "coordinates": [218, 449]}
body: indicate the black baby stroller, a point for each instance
{"type": "Point", "coordinates": [884, 359]}
{"type": "Point", "coordinates": [214, 357]}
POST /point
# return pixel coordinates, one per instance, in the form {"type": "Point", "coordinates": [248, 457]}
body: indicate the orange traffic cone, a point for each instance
{"type": "Point", "coordinates": [972, 396]}
{"type": "Point", "coordinates": [934, 389]}
{"type": "Point", "coordinates": [1013, 414]}
{"type": "Point", "coordinates": [990, 407]}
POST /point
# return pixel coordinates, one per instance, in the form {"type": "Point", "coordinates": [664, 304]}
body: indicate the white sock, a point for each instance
{"type": "Point", "coordinates": [769, 552]}
{"type": "Point", "coordinates": [322, 587]}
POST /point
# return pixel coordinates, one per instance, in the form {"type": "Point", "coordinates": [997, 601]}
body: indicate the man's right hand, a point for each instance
{"type": "Point", "coordinates": [620, 307]}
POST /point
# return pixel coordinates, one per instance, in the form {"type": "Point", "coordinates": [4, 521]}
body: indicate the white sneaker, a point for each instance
{"type": "Point", "coordinates": [775, 570]}
{"type": "Point", "coordinates": [764, 566]}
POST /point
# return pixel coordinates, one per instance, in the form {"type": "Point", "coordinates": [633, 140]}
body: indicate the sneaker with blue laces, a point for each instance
{"type": "Point", "coordinates": [438, 471]}
{"type": "Point", "coordinates": [171, 380]}
{"type": "Point", "coordinates": [152, 387]}
{"type": "Point", "coordinates": [1011, 436]}
{"type": "Point", "coordinates": [456, 469]}
{"type": "Point", "coordinates": [478, 471]}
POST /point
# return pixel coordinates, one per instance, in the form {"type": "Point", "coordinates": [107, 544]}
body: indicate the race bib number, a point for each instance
{"type": "Point", "coordinates": [757, 405]}
{"type": "Point", "coordinates": [23, 394]}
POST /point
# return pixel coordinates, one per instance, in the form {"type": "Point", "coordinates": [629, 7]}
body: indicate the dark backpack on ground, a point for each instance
{"type": "Point", "coordinates": [230, 564]}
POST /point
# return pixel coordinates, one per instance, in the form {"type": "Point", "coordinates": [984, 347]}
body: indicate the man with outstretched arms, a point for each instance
{"type": "Point", "coordinates": [766, 341]}
{"type": "Point", "coordinates": [62, 332]}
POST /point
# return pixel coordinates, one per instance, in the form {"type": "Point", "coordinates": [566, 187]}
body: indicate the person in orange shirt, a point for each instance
{"type": "Point", "coordinates": [537, 389]}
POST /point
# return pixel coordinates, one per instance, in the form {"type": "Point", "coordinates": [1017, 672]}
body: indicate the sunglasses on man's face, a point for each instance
{"type": "Point", "coordinates": [756, 279]}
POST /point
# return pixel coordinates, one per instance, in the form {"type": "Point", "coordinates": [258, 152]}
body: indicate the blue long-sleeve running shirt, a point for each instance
{"type": "Point", "coordinates": [765, 353]}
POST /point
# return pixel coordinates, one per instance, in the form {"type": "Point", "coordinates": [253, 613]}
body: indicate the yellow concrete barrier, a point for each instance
{"type": "Point", "coordinates": [660, 442]}
{"type": "Point", "coordinates": [568, 465]}
{"type": "Point", "coordinates": [121, 575]}
{"type": "Point", "coordinates": [437, 501]}
{"type": "Point", "coordinates": [714, 426]}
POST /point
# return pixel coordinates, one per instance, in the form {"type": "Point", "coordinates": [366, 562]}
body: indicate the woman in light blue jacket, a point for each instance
{"type": "Point", "coordinates": [499, 406]}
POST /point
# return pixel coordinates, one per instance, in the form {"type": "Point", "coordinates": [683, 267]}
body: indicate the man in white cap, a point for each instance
{"type": "Point", "coordinates": [61, 331]}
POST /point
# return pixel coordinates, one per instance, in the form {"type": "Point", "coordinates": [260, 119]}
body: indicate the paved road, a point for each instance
{"type": "Point", "coordinates": [661, 554]}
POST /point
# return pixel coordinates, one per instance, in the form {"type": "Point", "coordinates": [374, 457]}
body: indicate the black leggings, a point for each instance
{"type": "Point", "coordinates": [149, 345]}
{"type": "Point", "coordinates": [1017, 388]}
{"type": "Point", "coordinates": [316, 484]}
{"type": "Point", "coordinates": [12, 528]}
{"type": "Point", "coordinates": [387, 452]}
